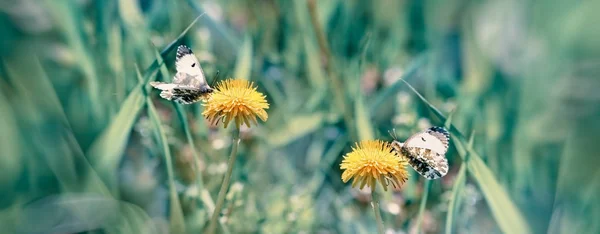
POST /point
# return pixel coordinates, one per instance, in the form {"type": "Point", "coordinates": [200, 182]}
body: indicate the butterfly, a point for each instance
{"type": "Point", "coordinates": [426, 151]}
{"type": "Point", "coordinates": [189, 84]}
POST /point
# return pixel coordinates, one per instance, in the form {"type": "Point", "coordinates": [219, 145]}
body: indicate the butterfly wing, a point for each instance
{"type": "Point", "coordinates": [189, 84]}
{"type": "Point", "coordinates": [181, 94]}
{"type": "Point", "coordinates": [189, 72]}
{"type": "Point", "coordinates": [426, 152]}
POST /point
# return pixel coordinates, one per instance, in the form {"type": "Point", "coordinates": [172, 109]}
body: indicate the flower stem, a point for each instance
{"type": "Point", "coordinates": [375, 205]}
{"type": "Point", "coordinates": [225, 184]}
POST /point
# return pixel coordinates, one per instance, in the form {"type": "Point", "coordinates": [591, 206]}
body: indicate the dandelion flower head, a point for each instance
{"type": "Point", "coordinates": [238, 100]}
{"type": "Point", "coordinates": [374, 160]}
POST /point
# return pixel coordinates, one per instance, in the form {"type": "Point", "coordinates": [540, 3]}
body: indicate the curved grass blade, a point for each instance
{"type": "Point", "coordinates": [68, 20]}
{"type": "Point", "coordinates": [389, 91]}
{"type": "Point", "coordinates": [176, 214]}
{"type": "Point", "coordinates": [39, 96]}
{"type": "Point", "coordinates": [505, 212]}
{"type": "Point", "coordinates": [363, 124]}
{"type": "Point", "coordinates": [204, 194]}
{"type": "Point", "coordinates": [170, 47]}
{"type": "Point", "coordinates": [427, 184]}
{"type": "Point", "coordinates": [327, 160]}
{"type": "Point", "coordinates": [11, 166]}
{"type": "Point", "coordinates": [107, 149]}
{"type": "Point", "coordinates": [316, 75]}
{"type": "Point", "coordinates": [243, 67]}
{"type": "Point", "coordinates": [177, 222]}
{"type": "Point", "coordinates": [131, 14]}
{"type": "Point", "coordinates": [457, 190]}
{"type": "Point", "coordinates": [426, 188]}
{"type": "Point", "coordinates": [222, 35]}
{"type": "Point", "coordinates": [80, 212]}
{"type": "Point", "coordinates": [295, 128]}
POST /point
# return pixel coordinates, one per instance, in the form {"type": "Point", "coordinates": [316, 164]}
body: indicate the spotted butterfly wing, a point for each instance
{"type": "Point", "coordinates": [189, 84]}
{"type": "Point", "coordinates": [426, 151]}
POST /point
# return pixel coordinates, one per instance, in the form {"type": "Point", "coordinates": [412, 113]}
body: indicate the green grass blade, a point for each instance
{"type": "Point", "coordinates": [427, 184]}
{"type": "Point", "coordinates": [176, 214]}
{"type": "Point", "coordinates": [274, 92]}
{"type": "Point", "coordinates": [10, 166]}
{"type": "Point", "coordinates": [222, 35]}
{"type": "Point", "coordinates": [42, 98]}
{"type": "Point", "coordinates": [316, 75]}
{"type": "Point", "coordinates": [69, 21]}
{"type": "Point", "coordinates": [170, 47]}
{"type": "Point", "coordinates": [135, 220]}
{"type": "Point", "coordinates": [204, 194]}
{"type": "Point", "coordinates": [448, 121]}
{"type": "Point", "coordinates": [107, 149]}
{"type": "Point", "coordinates": [243, 67]}
{"type": "Point", "coordinates": [326, 162]}
{"type": "Point", "coordinates": [177, 222]}
{"type": "Point", "coordinates": [426, 188]}
{"type": "Point", "coordinates": [363, 124]}
{"type": "Point", "coordinates": [454, 204]}
{"type": "Point", "coordinates": [295, 128]}
{"type": "Point", "coordinates": [80, 212]}
{"type": "Point", "coordinates": [393, 89]}
{"type": "Point", "coordinates": [506, 213]}
{"type": "Point", "coordinates": [470, 145]}
{"type": "Point", "coordinates": [131, 14]}
{"type": "Point", "coordinates": [457, 190]}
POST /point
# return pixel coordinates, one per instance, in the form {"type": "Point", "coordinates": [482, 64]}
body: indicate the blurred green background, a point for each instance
{"type": "Point", "coordinates": [87, 147]}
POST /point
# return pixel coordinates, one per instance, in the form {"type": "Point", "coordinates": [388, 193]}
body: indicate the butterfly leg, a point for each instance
{"type": "Point", "coordinates": [167, 94]}
{"type": "Point", "coordinates": [206, 89]}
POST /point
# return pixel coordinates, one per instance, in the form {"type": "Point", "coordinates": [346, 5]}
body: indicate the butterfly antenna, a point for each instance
{"type": "Point", "coordinates": [393, 134]}
{"type": "Point", "coordinates": [215, 78]}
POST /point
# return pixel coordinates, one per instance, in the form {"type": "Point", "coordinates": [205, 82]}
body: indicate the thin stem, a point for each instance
{"type": "Point", "coordinates": [203, 192]}
{"type": "Point", "coordinates": [375, 205]}
{"type": "Point", "coordinates": [225, 184]}
{"type": "Point", "coordinates": [426, 187]}
{"type": "Point", "coordinates": [336, 83]}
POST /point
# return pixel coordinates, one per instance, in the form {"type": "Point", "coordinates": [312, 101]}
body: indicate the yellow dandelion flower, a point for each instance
{"type": "Point", "coordinates": [374, 160]}
{"type": "Point", "coordinates": [237, 100]}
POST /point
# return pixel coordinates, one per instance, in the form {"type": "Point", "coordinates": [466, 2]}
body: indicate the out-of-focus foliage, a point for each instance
{"type": "Point", "coordinates": [88, 146]}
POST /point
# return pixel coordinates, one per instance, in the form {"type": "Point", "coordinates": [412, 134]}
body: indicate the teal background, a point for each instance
{"type": "Point", "coordinates": [88, 147]}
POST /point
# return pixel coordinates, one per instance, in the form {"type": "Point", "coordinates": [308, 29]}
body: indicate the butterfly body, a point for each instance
{"type": "Point", "coordinates": [426, 151]}
{"type": "Point", "coordinates": [189, 84]}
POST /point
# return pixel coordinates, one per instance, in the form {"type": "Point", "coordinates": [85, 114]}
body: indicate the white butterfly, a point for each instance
{"type": "Point", "coordinates": [426, 151]}
{"type": "Point", "coordinates": [189, 84]}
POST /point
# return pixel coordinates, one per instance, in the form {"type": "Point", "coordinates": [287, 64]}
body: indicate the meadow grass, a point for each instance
{"type": "Point", "coordinates": [89, 147]}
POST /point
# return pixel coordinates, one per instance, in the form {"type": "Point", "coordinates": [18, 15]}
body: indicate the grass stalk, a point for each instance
{"type": "Point", "coordinates": [426, 188]}
{"type": "Point", "coordinates": [454, 203]}
{"type": "Point", "coordinates": [226, 180]}
{"type": "Point", "coordinates": [177, 219]}
{"type": "Point", "coordinates": [505, 212]}
{"type": "Point", "coordinates": [336, 84]}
